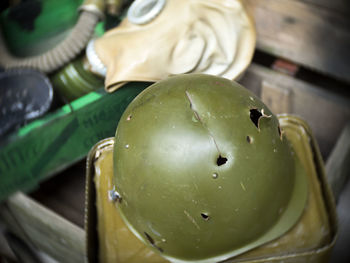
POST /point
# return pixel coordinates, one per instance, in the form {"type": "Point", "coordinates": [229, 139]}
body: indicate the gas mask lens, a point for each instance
{"type": "Point", "coordinates": [144, 11]}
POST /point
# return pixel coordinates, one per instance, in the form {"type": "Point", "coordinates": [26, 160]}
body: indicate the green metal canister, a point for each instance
{"type": "Point", "coordinates": [75, 80]}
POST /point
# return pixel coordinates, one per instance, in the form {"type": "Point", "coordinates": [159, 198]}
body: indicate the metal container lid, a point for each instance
{"type": "Point", "coordinates": [25, 94]}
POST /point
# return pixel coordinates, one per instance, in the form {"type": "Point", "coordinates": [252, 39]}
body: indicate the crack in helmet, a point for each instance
{"type": "Point", "coordinates": [203, 171]}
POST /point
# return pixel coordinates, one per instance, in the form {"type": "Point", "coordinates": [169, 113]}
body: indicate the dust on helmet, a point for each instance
{"type": "Point", "coordinates": [202, 170]}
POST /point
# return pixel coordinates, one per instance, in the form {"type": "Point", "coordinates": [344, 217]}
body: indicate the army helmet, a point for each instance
{"type": "Point", "coordinates": [202, 170]}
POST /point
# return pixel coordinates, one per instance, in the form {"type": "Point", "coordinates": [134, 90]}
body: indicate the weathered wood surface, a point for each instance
{"type": "Point", "coordinates": [278, 99]}
{"type": "Point", "coordinates": [308, 34]}
{"type": "Point", "coordinates": [341, 6]}
{"type": "Point", "coordinates": [44, 229]}
{"type": "Point", "coordinates": [325, 112]}
{"type": "Point", "coordinates": [338, 163]}
{"type": "Point", "coordinates": [66, 199]}
{"type": "Point", "coordinates": [341, 251]}
{"type": "Point", "coordinates": [5, 249]}
{"type": "Point", "coordinates": [22, 250]}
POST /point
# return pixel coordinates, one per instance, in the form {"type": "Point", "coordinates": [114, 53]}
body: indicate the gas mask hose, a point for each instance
{"type": "Point", "coordinates": [65, 51]}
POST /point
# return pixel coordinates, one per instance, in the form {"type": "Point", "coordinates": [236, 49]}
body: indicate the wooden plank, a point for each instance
{"type": "Point", "coordinates": [314, 37]}
{"type": "Point", "coordinates": [5, 250]}
{"type": "Point", "coordinates": [21, 249]}
{"type": "Point", "coordinates": [278, 99]}
{"type": "Point", "coordinates": [45, 230]}
{"type": "Point", "coordinates": [326, 113]}
{"type": "Point", "coordinates": [341, 251]}
{"type": "Point", "coordinates": [65, 199]}
{"type": "Point", "coordinates": [341, 6]}
{"type": "Point", "coordinates": [338, 168]}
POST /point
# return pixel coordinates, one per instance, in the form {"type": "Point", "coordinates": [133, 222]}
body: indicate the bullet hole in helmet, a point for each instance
{"type": "Point", "coordinates": [221, 160]}
{"type": "Point", "coordinates": [205, 216]}
{"type": "Point", "coordinates": [151, 241]}
{"type": "Point", "coordinates": [255, 115]}
{"type": "Point", "coordinates": [149, 238]}
{"type": "Point", "coordinates": [129, 117]}
{"type": "Point", "coordinates": [249, 139]}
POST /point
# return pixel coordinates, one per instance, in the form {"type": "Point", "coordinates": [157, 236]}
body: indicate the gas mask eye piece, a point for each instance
{"type": "Point", "coordinates": [144, 11]}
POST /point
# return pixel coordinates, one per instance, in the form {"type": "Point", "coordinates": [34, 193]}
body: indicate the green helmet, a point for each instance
{"type": "Point", "coordinates": [202, 170]}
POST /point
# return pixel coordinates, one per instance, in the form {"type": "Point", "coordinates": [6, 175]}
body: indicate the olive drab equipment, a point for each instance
{"type": "Point", "coordinates": [200, 170]}
{"type": "Point", "coordinates": [209, 158]}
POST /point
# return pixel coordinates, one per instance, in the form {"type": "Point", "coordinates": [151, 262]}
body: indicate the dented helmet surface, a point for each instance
{"type": "Point", "coordinates": [203, 170]}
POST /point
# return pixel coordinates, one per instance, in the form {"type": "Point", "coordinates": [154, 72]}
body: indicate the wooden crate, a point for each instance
{"type": "Point", "coordinates": [313, 36]}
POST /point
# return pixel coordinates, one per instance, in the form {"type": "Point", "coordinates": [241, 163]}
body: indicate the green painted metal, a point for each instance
{"type": "Point", "coordinates": [74, 80]}
{"type": "Point", "coordinates": [198, 159]}
{"type": "Point", "coordinates": [61, 138]}
{"type": "Point", "coordinates": [310, 240]}
{"type": "Point", "coordinates": [39, 25]}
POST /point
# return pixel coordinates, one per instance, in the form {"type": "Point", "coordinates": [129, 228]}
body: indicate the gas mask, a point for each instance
{"type": "Point", "coordinates": [160, 38]}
